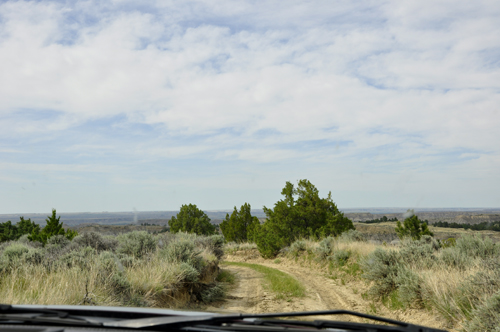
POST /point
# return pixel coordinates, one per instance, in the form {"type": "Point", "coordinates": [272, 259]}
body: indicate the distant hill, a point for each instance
{"type": "Point", "coordinates": [464, 215]}
{"type": "Point", "coordinates": [117, 218]}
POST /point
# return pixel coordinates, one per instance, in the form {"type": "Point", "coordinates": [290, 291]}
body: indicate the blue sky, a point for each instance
{"type": "Point", "coordinates": [120, 105]}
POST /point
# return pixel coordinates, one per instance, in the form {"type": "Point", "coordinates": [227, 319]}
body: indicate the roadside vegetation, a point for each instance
{"type": "Point", "coordinates": [457, 279]}
{"type": "Point", "coordinates": [132, 269]}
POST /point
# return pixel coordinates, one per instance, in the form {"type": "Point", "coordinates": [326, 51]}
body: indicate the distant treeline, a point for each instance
{"type": "Point", "coordinates": [484, 226]}
{"type": "Point", "coordinates": [376, 221]}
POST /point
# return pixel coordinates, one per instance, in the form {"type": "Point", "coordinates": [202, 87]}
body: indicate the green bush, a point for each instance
{"type": "Point", "coordinates": [136, 244]}
{"type": "Point", "coordinates": [300, 214]}
{"type": "Point", "coordinates": [52, 228]}
{"type": "Point", "coordinates": [413, 228]}
{"type": "Point", "coordinates": [111, 272]}
{"type": "Point", "coordinates": [449, 242]}
{"type": "Point", "coordinates": [476, 288]}
{"type": "Point", "coordinates": [268, 240]}
{"type": "Point", "coordinates": [239, 227]}
{"type": "Point", "coordinates": [190, 219]}
{"type": "Point", "coordinates": [127, 260]}
{"type": "Point", "coordinates": [11, 256]}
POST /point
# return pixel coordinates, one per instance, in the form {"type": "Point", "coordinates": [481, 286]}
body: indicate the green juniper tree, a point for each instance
{"type": "Point", "coordinates": [412, 227]}
{"type": "Point", "coordinates": [52, 228]}
{"type": "Point", "coordinates": [190, 219]}
{"type": "Point", "coordinates": [10, 232]}
{"type": "Point", "coordinates": [301, 213]}
{"type": "Point", "coordinates": [240, 226]}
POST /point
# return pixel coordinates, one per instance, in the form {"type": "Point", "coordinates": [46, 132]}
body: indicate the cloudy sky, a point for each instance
{"type": "Point", "coordinates": [122, 105]}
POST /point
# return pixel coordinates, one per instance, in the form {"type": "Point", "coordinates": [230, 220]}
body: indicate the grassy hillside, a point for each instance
{"type": "Point", "coordinates": [385, 232]}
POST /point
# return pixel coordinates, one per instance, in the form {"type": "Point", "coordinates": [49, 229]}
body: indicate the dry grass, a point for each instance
{"type": "Point", "coordinates": [457, 287]}
{"type": "Point", "coordinates": [34, 285]}
{"type": "Point", "coordinates": [156, 279]}
{"type": "Point", "coordinates": [361, 249]}
{"type": "Point", "coordinates": [233, 247]}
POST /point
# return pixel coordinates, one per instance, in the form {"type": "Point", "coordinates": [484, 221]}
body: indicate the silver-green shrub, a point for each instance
{"type": "Point", "coordinates": [78, 258]}
{"type": "Point", "coordinates": [34, 256]}
{"type": "Point", "coordinates": [455, 258]}
{"type": "Point", "coordinates": [136, 244]}
{"type": "Point", "coordinates": [340, 257]}
{"type": "Point", "coordinates": [96, 241]}
{"type": "Point", "coordinates": [190, 273]}
{"type": "Point", "coordinates": [14, 251]}
{"type": "Point", "coordinates": [325, 248]}
{"type": "Point", "coordinates": [409, 285]}
{"type": "Point", "coordinates": [297, 247]}
{"type": "Point", "coordinates": [419, 253]}
{"type": "Point", "coordinates": [477, 247]}
{"type": "Point", "coordinates": [381, 266]}
{"type": "Point", "coordinates": [183, 251]}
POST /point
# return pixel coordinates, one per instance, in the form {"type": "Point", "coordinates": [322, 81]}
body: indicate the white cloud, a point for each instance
{"type": "Point", "coordinates": [402, 82]}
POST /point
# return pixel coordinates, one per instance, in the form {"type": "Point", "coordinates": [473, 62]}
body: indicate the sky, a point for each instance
{"type": "Point", "coordinates": [148, 105]}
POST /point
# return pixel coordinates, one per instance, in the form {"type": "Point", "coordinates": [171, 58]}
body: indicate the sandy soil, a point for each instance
{"type": "Point", "coordinates": [322, 293]}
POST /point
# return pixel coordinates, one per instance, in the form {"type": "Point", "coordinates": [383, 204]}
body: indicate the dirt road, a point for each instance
{"type": "Point", "coordinates": [322, 293]}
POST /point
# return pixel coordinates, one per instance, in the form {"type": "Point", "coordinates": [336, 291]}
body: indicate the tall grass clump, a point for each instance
{"type": "Point", "coordinates": [136, 269]}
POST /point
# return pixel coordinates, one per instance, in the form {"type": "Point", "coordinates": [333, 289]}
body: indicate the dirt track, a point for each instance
{"type": "Point", "coordinates": [322, 293]}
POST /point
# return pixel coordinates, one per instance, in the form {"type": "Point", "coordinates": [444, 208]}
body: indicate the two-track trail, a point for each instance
{"type": "Point", "coordinates": [322, 293]}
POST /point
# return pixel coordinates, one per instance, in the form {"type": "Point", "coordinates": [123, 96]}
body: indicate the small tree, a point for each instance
{"type": "Point", "coordinates": [52, 228]}
{"type": "Point", "coordinates": [10, 232]}
{"type": "Point", "coordinates": [26, 226]}
{"type": "Point", "coordinates": [239, 227]}
{"type": "Point", "coordinates": [412, 227]}
{"type": "Point", "coordinates": [301, 213]}
{"type": "Point", "coordinates": [190, 219]}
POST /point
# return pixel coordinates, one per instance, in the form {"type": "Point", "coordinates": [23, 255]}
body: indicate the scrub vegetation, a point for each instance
{"type": "Point", "coordinates": [132, 269]}
{"type": "Point", "coordinates": [457, 280]}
